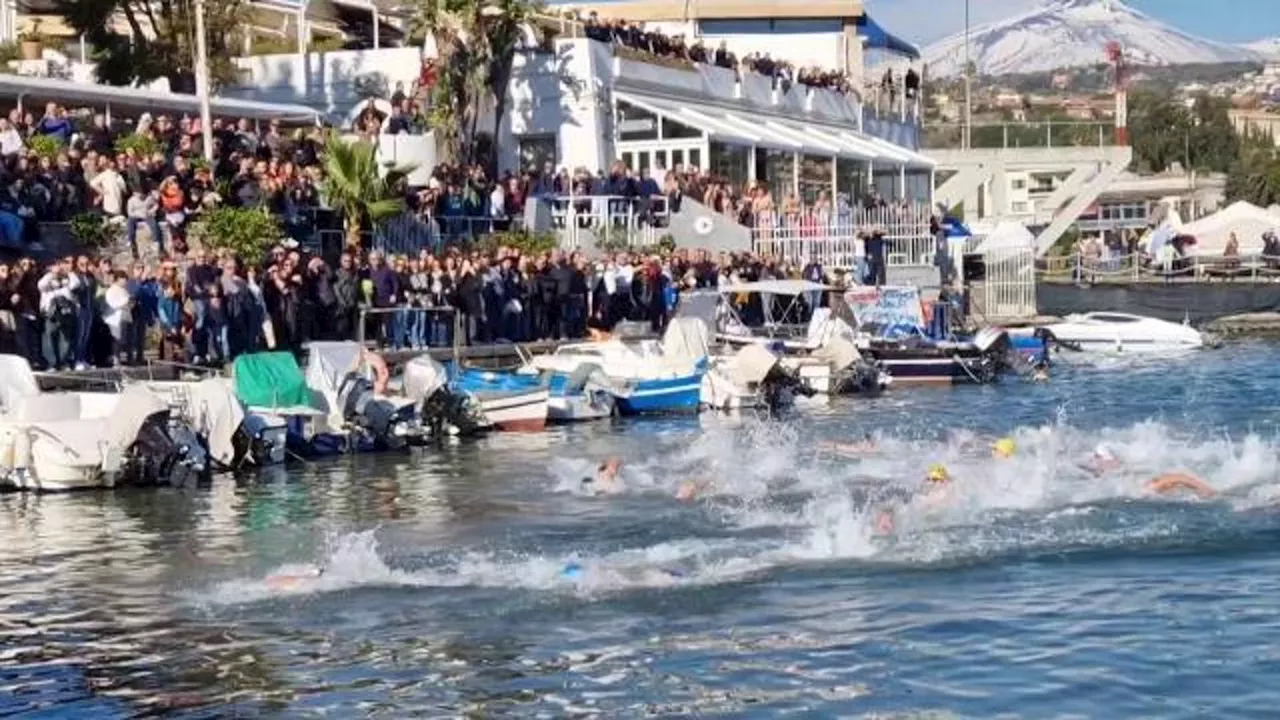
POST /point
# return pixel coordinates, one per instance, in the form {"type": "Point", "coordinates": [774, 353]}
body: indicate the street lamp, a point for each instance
{"type": "Point", "coordinates": [202, 82]}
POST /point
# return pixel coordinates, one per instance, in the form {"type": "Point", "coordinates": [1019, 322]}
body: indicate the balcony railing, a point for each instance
{"type": "Point", "coordinates": [1048, 134]}
{"type": "Point", "coordinates": [836, 240]}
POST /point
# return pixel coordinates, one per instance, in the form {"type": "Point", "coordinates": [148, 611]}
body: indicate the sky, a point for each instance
{"type": "Point", "coordinates": [1234, 21]}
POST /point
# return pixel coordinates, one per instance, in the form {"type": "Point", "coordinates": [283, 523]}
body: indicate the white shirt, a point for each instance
{"type": "Point", "coordinates": [10, 142]}
{"type": "Point", "coordinates": [110, 185]}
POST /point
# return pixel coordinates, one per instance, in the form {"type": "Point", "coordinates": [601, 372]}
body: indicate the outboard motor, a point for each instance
{"type": "Point", "coordinates": [166, 452]}
{"type": "Point", "coordinates": [389, 424]}
{"type": "Point", "coordinates": [781, 385]}
{"type": "Point", "coordinates": [442, 410]}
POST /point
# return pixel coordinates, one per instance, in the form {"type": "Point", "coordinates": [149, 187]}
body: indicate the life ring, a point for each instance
{"type": "Point", "coordinates": [703, 225]}
{"type": "Point", "coordinates": [381, 377]}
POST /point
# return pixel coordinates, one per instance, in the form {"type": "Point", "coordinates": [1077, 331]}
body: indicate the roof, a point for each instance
{"type": "Point", "coordinates": [683, 10]}
{"type": "Point", "coordinates": [878, 37]}
{"type": "Point", "coordinates": [788, 134]}
{"type": "Point", "coordinates": [40, 89]}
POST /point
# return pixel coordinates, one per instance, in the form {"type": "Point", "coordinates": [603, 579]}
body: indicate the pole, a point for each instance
{"type": "Point", "coordinates": [202, 83]}
{"type": "Point", "coordinates": [968, 98]}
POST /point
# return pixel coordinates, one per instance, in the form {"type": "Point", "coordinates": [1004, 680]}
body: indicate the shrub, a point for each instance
{"type": "Point", "coordinates": [45, 146]}
{"type": "Point", "coordinates": [92, 230]}
{"type": "Point", "coordinates": [247, 232]}
{"type": "Point", "coordinates": [141, 145]}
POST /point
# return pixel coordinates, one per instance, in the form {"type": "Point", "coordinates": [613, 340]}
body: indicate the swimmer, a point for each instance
{"type": "Point", "coordinates": [1102, 461]}
{"type": "Point", "coordinates": [292, 581]}
{"type": "Point", "coordinates": [936, 491]}
{"type": "Point", "coordinates": [1173, 482]}
{"type": "Point", "coordinates": [1004, 448]}
{"type": "Point", "coordinates": [574, 571]}
{"type": "Point", "coordinates": [1041, 373]}
{"type": "Point", "coordinates": [606, 481]}
{"type": "Point", "coordinates": [863, 447]}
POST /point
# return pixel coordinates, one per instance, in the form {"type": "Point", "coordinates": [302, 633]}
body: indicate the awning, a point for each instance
{"type": "Point", "coordinates": [67, 92]}
{"type": "Point", "coordinates": [776, 132]}
{"type": "Point", "coordinates": [878, 37]}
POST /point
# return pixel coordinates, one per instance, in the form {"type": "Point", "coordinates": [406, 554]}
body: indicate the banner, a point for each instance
{"type": "Point", "coordinates": [886, 306]}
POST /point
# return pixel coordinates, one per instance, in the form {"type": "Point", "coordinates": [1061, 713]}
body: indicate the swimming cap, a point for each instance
{"type": "Point", "coordinates": [571, 570]}
{"type": "Point", "coordinates": [938, 473]}
{"type": "Point", "coordinates": [1104, 452]}
{"type": "Point", "coordinates": [1005, 447]}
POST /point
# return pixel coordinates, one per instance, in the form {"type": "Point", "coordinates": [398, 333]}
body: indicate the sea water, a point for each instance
{"type": "Point", "coordinates": [1036, 590]}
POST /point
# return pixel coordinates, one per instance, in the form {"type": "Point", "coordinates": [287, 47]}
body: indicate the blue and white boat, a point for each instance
{"type": "Point", "coordinates": [644, 377]}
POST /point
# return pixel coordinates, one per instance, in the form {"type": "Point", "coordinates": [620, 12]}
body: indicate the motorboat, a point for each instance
{"type": "Point", "coordinates": [332, 407]}
{"type": "Point", "coordinates": [505, 401]}
{"type": "Point", "coordinates": [235, 436]}
{"type": "Point", "coordinates": [59, 441]}
{"type": "Point", "coordinates": [1113, 332]}
{"type": "Point", "coordinates": [822, 352]}
{"type": "Point", "coordinates": [581, 396]}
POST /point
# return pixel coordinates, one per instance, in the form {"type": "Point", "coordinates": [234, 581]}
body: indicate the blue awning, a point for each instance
{"type": "Point", "coordinates": [878, 37]}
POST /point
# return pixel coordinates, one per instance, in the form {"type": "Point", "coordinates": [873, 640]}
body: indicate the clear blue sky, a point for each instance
{"type": "Point", "coordinates": [924, 21]}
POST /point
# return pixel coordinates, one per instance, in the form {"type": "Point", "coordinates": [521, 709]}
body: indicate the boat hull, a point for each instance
{"type": "Point", "coordinates": [650, 397]}
{"type": "Point", "coordinates": [516, 411]}
{"type": "Point", "coordinates": [582, 407]}
{"type": "Point", "coordinates": [936, 370]}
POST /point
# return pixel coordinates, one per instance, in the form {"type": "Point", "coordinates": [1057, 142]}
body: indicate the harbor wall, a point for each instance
{"type": "Point", "coordinates": [1201, 302]}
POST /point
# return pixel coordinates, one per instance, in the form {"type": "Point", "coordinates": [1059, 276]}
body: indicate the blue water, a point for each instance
{"type": "Point", "coordinates": [1035, 590]}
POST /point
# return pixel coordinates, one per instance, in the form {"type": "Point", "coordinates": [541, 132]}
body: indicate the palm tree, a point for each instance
{"type": "Point", "coordinates": [476, 42]}
{"type": "Point", "coordinates": [355, 185]}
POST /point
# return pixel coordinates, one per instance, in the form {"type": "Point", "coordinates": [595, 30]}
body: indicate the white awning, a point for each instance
{"type": "Point", "coordinates": [67, 92]}
{"type": "Point", "coordinates": [777, 132]}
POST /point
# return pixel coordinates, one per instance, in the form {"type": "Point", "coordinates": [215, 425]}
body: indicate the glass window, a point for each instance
{"type": "Point", "coordinates": [626, 160]}
{"type": "Point", "coordinates": [635, 123]}
{"type": "Point", "coordinates": [733, 27]}
{"type": "Point", "coordinates": [672, 130]}
{"type": "Point", "coordinates": [731, 162]}
{"type": "Point", "coordinates": [695, 158]}
{"type": "Point", "coordinates": [661, 156]}
{"type": "Point", "coordinates": [677, 158]}
{"type": "Point", "coordinates": [643, 157]}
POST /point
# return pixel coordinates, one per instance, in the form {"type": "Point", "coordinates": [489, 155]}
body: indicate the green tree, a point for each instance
{"type": "Point", "coordinates": [355, 185]}
{"type": "Point", "coordinates": [476, 43]}
{"type": "Point", "coordinates": [1255, 176]}
{"type": "Point", "coordinates": [246, 232]}
{"type": "Point", "coordinates": [160, 42]}
{"type": "Point", "coordinates": [1165, 131]}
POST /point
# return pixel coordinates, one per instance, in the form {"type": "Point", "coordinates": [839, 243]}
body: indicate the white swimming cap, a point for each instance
{"type": "Point", "coordinates": [1104, 452]}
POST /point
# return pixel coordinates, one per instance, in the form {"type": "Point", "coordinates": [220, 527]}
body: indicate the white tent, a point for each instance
{"type": "Point", "coordinates": [1246, 220]}
{"type": "Point", "coordinates": [1006, 235]}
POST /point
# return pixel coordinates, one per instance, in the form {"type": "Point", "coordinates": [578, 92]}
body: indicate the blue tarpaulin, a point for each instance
{"type": "Point", "coordinates": [955, 228]}
{"type": "Point", "coordinates": [878, 37]}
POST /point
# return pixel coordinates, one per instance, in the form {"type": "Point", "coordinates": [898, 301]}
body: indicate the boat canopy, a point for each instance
{"type": "Point", "coordinates": [271, 380]}
{"type": "Point", "coordinates": [329, 363]}
{"type": "Point", "coordinates": [775, 287]}
{"type": "Point", "coordinates": [16, 381]}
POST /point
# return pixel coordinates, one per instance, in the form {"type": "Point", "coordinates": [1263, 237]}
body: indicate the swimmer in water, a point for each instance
{"type": "Point", "coordinates": [292, 581]}
{"type": "Point", "coordinates": [1004, 448]}
{"type": "Point", "coordinates": [864, 446]}
{"type": "Point", "coordinates": [1174, 482]}
{"type": "Point", "coordinates": [1041, 373]}
{"type": "Point", "coordinates": [606, 480]}
{"type": "Point", "coordinates": [1102, 461]}
{"type": "Point", "coordinates": [935, 492]}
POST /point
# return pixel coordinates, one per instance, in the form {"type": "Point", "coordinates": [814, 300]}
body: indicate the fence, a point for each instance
{"type": "Point", "coordinates": [833, 240]}
{"type": "Point", "coordinates": [1009, 288]}
{"type": "Point", "coordinates": [1140, 267]}
{"type": "Point", "coordinates": [609, 221]}
{"type": "Point", "coordinates": [1048, 134]}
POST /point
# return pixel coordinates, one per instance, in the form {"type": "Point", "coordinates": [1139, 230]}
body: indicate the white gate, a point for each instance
{"type": "Point", "coordinates": [1010, 286]}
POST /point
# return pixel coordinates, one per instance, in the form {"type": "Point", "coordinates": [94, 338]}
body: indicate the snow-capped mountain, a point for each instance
{"type": "Point", "coordinates": [1075, 33]}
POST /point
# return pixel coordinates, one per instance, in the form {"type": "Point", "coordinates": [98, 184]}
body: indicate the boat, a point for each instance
{"type": "Point", "coordinates": [642, 378]}
{"type": "Point", "coordinates": [333, 407]}
{"type": "Point", "coordinates": [578, 397]}
{"type": "Point", "coordinates": [823, 352]}
{"type": "Point", "coordinates": [1113, 332]}
{"type": "Point", "coordinates": [505, 401]}
{"type": "Point", "coordinates": [235, 436]}
{"type": "Point", "coordinates": [57, 441]}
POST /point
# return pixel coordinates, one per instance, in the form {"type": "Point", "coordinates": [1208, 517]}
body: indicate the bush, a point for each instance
{"type": "Point", "coordinates": [45, 146]}
{"type": "Point", "coordinates": [143, 146]}
{"type": "Point", "coordinates": [247, 232]}
{"type": "Point", "coordinates": [529, 244]}
{"type": "Point", "coordinates": [94, 231]}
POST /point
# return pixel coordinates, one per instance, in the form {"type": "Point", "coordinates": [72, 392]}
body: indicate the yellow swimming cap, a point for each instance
{"type": "Point", "coordinates": [1004, 447]}
{"type": "Point", "coordinates": [938, 473]}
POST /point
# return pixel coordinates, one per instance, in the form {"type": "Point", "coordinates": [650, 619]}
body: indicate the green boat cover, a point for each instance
{"type": "Point", "coordinates": [271, 380]}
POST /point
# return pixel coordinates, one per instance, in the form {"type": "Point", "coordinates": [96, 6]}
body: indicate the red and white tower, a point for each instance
{"type": "Point", "coordinates": [1115, 54]}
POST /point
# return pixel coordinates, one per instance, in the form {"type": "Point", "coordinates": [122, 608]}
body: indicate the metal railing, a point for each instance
{"type": "Point", "coordinates": [609, 220]}
{"type": "Point", "coordinates": [835, 240]}
{"type": "Point", "coordinates": [1141, 267]}
{"type": "Point", "coordinates": [1047, 134]}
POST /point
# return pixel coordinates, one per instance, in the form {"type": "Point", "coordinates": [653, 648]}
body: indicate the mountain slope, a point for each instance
{"type": "Point", "coordinates": [1269, 48]}
{"type": "Point", "coordinates": [1073, 33]}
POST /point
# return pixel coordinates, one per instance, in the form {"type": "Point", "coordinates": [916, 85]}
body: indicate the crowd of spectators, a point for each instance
{"type": "Point", "coordinates": [634, 36]}
{"type": "Point", "coordinates": [208, 308]}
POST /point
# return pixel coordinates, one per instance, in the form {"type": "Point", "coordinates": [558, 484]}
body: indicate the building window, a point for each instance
{"type": "Point", "coordinates": [538, 151]}
{"type": "Point", "coordinates": [1019, 183]}
{"type": "Point", "coordinates": [1019, 207]}
{"type": "Point", "coordinates": [636, 123]}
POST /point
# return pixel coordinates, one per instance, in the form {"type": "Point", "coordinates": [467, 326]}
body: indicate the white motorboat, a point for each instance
{"type": "Point", "coordinates": [235, 434]}
{"type": "Point", "coordinates": [73, 440]}
{"type": "Point", "coordinates": [1113, 332]}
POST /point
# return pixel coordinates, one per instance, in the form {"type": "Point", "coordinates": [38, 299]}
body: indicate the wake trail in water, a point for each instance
{"type": "Point", "coordinates": [786, 501]}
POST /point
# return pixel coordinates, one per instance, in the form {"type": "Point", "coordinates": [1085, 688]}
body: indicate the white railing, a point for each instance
{"type": "Point", "coordinates": [1137, 267]}
{"type": "Point", "coordinates": [836, 240]}
{"type": "Point", "coordinates": [609, 220]}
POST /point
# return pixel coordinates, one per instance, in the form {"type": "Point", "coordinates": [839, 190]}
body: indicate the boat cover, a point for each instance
{"type": "Point", "coordinates": [215, 413]}
{"type": "Point", "coordinates": [16, 381]}
{"type": "Point", "coordinates": [423, 376]}
{"type": "Point", "coordinates": [329, 362]}
{"type": "Point", "coordinates": [751, 365]}
{"type": "Point", "coordinates": [136, 404]}
{"type": "Point", "coordinates": [840, 349]}
{"type": "Point", "coordinates": [271, 380]}
{"type": "Point", "coordinates": [685, 342]}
